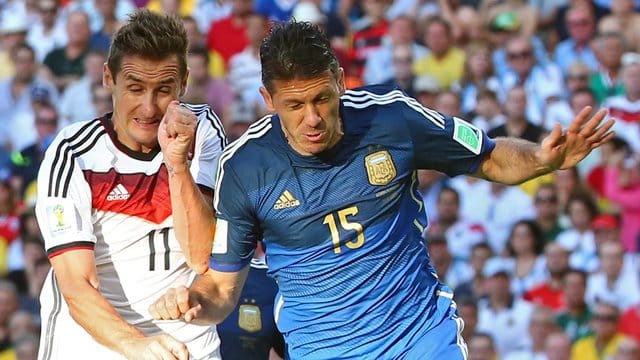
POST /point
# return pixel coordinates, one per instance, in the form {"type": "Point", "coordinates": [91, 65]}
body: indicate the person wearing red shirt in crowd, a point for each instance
{"type": "Point", "coordinates": [9, 221]}
{"type": "Point", "coordinates": [227, 36]}
{"type": "Point", "coordinates": [368, 33]}
{"type": "Point", "coordinates": [550, 294]}
{"type": "Point", "coordinates": [629, 321]}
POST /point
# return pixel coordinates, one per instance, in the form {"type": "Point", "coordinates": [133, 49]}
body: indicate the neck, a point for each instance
{"type": "Point", "coordinates": [546, 223]}
{"type": "Point", "coordinates": [576, 310]}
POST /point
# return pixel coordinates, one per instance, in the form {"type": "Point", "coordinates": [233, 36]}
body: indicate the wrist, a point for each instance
{"type": "Point", "coordinates": [178, 168]}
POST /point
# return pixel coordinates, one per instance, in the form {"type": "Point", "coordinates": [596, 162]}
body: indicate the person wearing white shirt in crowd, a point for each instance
{"type": "Point", "coordinates": [461, 235]}
{"type": "Point", "coordinates": [451, 272]}
{"type": "Point", "coordinates": [123, 9]}
{"type": "Point", "coordinates": [579, 238]}
{"type": "Point", "coordinates": [48, 32]}
{"type": "Point", "coordinates": [503, 315]}
{"type": "Point", "coordinates": [542, 324]}
{"type": "Point", "coordinates": [538, 80]}
{"type": "Point", "coordinates": [613, 284]}
{"type": "Point", "coordinates": [482, 347]}
{"type": "Point", "coordinates": [525, 246]}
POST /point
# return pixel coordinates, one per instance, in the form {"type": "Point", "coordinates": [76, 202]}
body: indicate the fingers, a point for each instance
{"type": "Point", "coordinates": [177, 349]}
{"type": "Point", "coordinates": [193, 313]}
{"type": "Point", "coordinates": [178, 120]}
{"type": "Point", "coordinates": [166, 308]}
{"type": "Point", "coordinates": [604, 139]}
{"type": "Point", "coordinates": [554, 136]}
{"type": "Point", "coordinates": [594, 122]}
{"type": "Point", "coordinates": [602, 130]}
{"type": "Point", "coordinates": [165, 347]}
{"type": "Point", "coordinates": [182, 300]}
{"type": "Point", "coordinates": [579, 120]}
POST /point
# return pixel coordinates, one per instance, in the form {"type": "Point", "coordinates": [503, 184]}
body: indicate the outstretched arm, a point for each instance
{"type": "Point", "coordinates": [514, 160]}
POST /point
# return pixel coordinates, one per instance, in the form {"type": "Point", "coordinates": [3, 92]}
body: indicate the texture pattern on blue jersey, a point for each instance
{"type": "Point", "coordinates": [343, 229]}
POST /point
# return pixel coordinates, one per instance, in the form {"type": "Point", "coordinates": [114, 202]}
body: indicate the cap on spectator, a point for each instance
{"type": "Point", "coordinates": [39, 93]}
{"type": "Point", "coordinates": [498, 265]}
{"type": "Point", "coordinates": [630, 58]}
{"type": "Point", "coordinates": [307, 11]}
{"type": "Point", "coordinates": [505, 21]}
{"type": "Point", "coordinates": [426, 83]}
{"type": "Point", "coordinates": [13, 24]}
{"type": "Point", "coordinates": [605, 222]}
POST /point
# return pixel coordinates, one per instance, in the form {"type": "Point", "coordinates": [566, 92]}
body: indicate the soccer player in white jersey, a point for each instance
{"type": "Point", "coordinates": [121, 199]}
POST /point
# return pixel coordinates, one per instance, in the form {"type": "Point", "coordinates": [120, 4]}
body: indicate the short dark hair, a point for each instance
{"type": "Point", "coordinates": [150, 36]}
{"type": "Point", "coordinates": [295, 50]}
{"type": "Point", "coordinates": [201, 51]}
{"type": "Point", "coordinates": [536, 233]}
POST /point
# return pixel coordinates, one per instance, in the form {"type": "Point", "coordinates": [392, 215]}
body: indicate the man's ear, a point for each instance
{"type": "Point", "coordinates": [268, 100]}
{"type": "Point", "coordinates": [107, 78]}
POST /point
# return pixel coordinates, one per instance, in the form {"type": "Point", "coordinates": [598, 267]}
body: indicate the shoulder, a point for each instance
{"type": "Point", "coordinates": [206, 116]}
{"type": "Point", "coordinates": [372, 96]}
{"type": "Point", "coordinates": [242, 152]}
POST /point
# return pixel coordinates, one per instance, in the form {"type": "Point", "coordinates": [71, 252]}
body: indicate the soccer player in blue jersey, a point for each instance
{"type": "Point", "coordinates": [329, 182]}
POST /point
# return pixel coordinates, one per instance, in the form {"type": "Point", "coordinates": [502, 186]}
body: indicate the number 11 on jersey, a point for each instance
{"type": "Point", "coordinates": [330, 220]}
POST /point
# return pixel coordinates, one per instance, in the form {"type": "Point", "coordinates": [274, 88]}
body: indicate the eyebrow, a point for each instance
{"type": "Point", "coordinates": [164, 81]}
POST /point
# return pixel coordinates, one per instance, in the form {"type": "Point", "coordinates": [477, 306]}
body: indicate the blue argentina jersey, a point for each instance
{"type": "Point", "coordinates": [343, 229]}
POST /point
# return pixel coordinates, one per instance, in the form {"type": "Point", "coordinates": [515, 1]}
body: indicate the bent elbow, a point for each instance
{"type": "Point", "coordinates": [199, 267]}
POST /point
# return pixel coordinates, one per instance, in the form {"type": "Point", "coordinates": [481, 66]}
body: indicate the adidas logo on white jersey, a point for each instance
{"type": "Point", "coordinates": [286, 200]}
{"type": "Point", "coordinates": [118, 193]}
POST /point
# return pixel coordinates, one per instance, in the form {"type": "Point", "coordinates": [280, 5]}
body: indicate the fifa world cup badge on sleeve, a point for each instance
{"type": "Point", "coordinates": [220, 238]}
{"type": "Point", "coordinates": [61, 218]}
{"type": "Point", "coordinates": [467, 135]}
{"type": "Point", "coordinates": [380, 168]}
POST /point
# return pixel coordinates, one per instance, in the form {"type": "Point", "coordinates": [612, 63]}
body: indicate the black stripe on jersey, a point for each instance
{"type": "Point", "coordinates": [75, 244]}
{"type": "Point", "coordinates": [92, 126]}
{"type": "Point", "coordinates": [211, 116]}
{"type": "Point", "coordinates": [51, 323]}
{"type": "Point", "coordinates": [67, 155]}
{"type": "Point", "coordinates": [67, 180]}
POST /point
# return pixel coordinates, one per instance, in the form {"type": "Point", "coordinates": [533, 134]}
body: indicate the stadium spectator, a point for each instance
{"type": "Point", "coordinates": [13, 32]}
{"type": "Point", "coordinates": [517, 122]}
{"type": "Point", "coordinates": [227, 36]}
{"type": "Point", "coordinates": [606, 81]}
{"type": "Point", "coordinates": [545, 201]}
{"type": "Point", "coordinates": [557, 346]}
{"type": "Point", "coordinates": [540, 81]}
{"type": "Point", "coordinates": [481, 347]}
{"type": "Point", "coordinates": [401, 32]}
{"type": "Point", "coordinates": [488, 113]}
{"type": "Point", "coordinates": [525, 245]}
{"type": "Point", "coordinates": [503, 314]}
{"type": "Point", "coordinates": [426, 90]}
{"type": "Point", "coordinates": [204, 89]}
{"type": "Point", "coordinates": [627, 349]}
{"type": "Point", "coordinates": [79, 91]}
{"type": "Point", "coordinates": [48, 32]}
{"type": "Point", "coordinates": [625, 20]}
{"type": "Point", "coordinates": [550, 294]}
{"type": "Point", "coordinates": [401, 69]}
{"type": "Point", "coordinates": [478, 77]}
{"type": "Point", "coordinates": [19, 96]}
{"type": "Point", "coordinates": [614, 284]}
{"type": "Point", "coordinates": [581, 23]}
{"type": "Point", "coordinates": [579, 237]}
{"type": "Point", "coordinates": [64, 65]}
{"type": "Point", "coordinates": [445, 61]}
{"type": "Point", "coordinates": [540, 327]}
{"type": "Point", "coordinates": [460, 234]}
{"type": "Point", "coordinates": [468, 310]}
{"type": "Point", "coordinates": [605, 339]}
{"type": "Point", "coordinates": [475, 288]}
{"type": "Point", "coordinates": [574, 320]}
{"type": "Point", "coordinates": [450, 271]}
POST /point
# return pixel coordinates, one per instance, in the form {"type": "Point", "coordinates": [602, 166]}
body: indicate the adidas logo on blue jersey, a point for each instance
{"type": "Point", "coordinates": [118, 193]}
{"type": "Point", "coordinates": [285, 201]}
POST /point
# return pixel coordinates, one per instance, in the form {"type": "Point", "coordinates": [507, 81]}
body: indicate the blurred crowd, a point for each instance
{"type": "Point", "coordinates": [545, 270]}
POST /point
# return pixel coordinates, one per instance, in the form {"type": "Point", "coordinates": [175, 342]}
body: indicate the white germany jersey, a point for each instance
{"type": "Point", "coordinates": [93, 193]}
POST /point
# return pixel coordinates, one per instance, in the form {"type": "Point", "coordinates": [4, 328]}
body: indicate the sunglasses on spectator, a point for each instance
{"type": "Point", "coordinates": [519, 55]}
{"type": "Point", "coordinates": [546, 200]}
{"type": "Point", "coordinates": [43, 121]}
{"type": "Point", "coordinates": [605, 317]}
{"type": "Point", "coordinates": [581, 22]}
{"type": "Point", "coordinates": [582, 77]}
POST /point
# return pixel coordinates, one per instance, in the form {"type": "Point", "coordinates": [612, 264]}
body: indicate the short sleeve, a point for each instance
{"type": "Point", "coordinates": [447, 144]}
{"type": "Point", "coordinates": [237, 230]}
{"type": "Point", "coordinates": [63, 203]}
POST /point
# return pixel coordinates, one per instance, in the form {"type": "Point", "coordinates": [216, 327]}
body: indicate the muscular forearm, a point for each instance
{"type": "Point", "coordinates": [98, 317]}
{"type": "Point", "coordinates": [217, 300]}
{"type": "Point", "coordinates": [193, 219]}
{"type": "Point", "coordinates": [513, 161]}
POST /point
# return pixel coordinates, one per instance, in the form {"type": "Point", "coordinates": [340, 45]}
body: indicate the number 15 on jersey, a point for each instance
{"type": "Point", "coordinates": [346, 225]}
